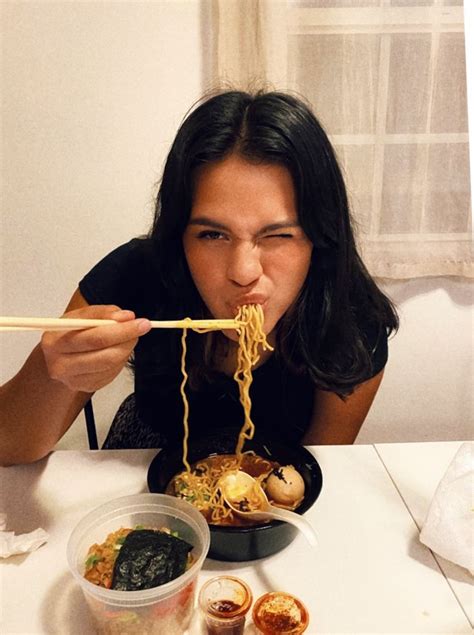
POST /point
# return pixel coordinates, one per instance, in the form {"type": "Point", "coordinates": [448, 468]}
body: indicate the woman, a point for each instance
{"type": "Point", "coordinates": [252, 208]}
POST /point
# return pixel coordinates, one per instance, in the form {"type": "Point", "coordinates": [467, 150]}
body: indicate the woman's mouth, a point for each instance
{"type": "Point", "coordinates": [254, 298]}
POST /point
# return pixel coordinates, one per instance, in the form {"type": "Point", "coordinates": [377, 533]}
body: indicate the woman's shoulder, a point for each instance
{"type": "Point", "coordinates": [124, 277]}
{"type": "Point", "coordinates": [135, 251]}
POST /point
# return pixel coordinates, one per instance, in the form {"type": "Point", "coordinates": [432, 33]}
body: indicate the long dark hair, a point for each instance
{"type": "Point", "coordinates": [320, 335]}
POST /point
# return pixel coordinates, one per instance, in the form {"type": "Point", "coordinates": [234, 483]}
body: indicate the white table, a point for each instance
{"type": "Point", "coordinates": [370, 573]}
{"type": "Point", "coordinates": [416, 469]}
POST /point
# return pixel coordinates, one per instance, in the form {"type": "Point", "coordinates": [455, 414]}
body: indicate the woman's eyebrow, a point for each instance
{"type": "Point", "coordinates": [278, 226]}
{"type": "Point", "coordinates": [208, 222]}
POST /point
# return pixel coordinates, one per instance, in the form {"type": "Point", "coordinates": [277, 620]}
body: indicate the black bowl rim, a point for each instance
{"type": "Point", "coordinates": [306, 457]}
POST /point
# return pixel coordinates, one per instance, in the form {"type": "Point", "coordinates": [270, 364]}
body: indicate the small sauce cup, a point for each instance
{"type": "Point", "coordinates": [224, 602]}
{"type": "Point", "coordinates": [280, 613]}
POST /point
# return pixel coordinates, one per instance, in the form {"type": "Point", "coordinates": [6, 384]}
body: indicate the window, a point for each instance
{"type": "Point", "coordinates": [387, 79]}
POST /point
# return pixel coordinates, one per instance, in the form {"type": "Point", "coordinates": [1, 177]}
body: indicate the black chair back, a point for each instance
{"type": "Point", "coordinates": [90, 425]}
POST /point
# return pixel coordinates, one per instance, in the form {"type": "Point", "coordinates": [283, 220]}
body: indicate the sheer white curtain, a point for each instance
{"type": "Point", "coordinates": [387, 79]}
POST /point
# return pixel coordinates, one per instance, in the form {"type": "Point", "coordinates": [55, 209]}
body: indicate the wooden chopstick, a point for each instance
{"type": "Point", "coordinates": [74, 324]}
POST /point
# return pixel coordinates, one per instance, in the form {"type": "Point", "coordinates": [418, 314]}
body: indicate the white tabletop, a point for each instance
{"type": "Point", "coordinates": [416, 469]}
{"type": "Point", "coordinates": [370, 574]}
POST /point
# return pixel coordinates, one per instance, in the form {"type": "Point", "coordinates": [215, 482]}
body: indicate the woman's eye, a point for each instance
{"type": "Point", "coordinates": [279, 236]}
{"type": "Point", "coordinates": [210, 235]}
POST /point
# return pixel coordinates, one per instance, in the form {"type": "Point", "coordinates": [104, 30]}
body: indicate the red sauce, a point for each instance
{"type": "Point", "coordinates": [225, 601]}
{"type": "Point", "coordinates": [224, 606]}
{"type": "Point", "coordinates": [277, 612]}
{"type": "Point", "coordinates": [236, 626]}
{"type": "Point", "coordinates": [281, 623]}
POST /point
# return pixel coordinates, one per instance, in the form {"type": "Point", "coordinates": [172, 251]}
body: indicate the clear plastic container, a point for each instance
{"type": "Point", "coordinates": [279, 613]}
{"type": "Point", "coordinates": [224, 602]}
{"type": "Point", "coordinates": [163, 609]}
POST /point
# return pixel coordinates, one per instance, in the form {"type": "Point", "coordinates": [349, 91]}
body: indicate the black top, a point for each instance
{"type": "Point", "coordinates": [282, 402]}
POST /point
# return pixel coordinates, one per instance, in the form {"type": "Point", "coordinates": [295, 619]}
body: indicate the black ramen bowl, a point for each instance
{"type": "Point", "coordinates": [242, 542]}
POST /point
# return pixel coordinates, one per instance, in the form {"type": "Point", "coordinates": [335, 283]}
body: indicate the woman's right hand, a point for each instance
{"type": "Point", "coordinates": [89, 359]}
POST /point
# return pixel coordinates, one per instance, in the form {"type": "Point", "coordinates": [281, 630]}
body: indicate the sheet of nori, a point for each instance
{"type": "Point", "coordinates": [149, 558]}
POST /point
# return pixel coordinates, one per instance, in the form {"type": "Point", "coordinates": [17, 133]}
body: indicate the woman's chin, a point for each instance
{"type": "Point", "coordinates": [231, 334]}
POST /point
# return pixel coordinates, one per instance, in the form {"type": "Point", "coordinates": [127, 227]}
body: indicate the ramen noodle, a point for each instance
{"type": "Point", "coordinates": [251, 338]}
{"type": "Point", "coordinates": [200, 486]}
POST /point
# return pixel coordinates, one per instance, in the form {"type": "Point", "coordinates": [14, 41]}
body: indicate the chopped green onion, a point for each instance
{"type": "Point", "coordinates": [92, 560]}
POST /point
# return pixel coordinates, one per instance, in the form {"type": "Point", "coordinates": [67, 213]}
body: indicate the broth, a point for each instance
{"type": "Point", "coordinates": [199, 486]}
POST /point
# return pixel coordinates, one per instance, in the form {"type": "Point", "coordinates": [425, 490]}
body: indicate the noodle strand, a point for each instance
{"type": "Point", "coordinates": [185, 399]}
{"type": "Point", "coordinates": [200, 486]}
{"type": "Point", "coordinates": [251, 337]}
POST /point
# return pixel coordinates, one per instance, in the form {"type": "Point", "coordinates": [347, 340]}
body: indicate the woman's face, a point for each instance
{"type": "Point", "coordinates": [243, 242]}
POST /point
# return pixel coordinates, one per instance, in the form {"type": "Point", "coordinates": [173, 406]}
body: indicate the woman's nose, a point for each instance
{"type": "Point", "coordinates": [244, 266]}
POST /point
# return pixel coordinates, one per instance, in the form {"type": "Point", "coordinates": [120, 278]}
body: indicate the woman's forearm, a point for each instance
{"type": "Point", "coordinates": [39, 404]}
{"type": "Point", "coordinates": [35, 412]}
{"type": "Point", "coordinates": [337, 422]}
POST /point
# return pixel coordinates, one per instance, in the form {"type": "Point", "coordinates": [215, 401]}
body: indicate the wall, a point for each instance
{"type": "Point", "coordinates": [427, 390]}
{"type": "Point", "coordinates": [91, 96]}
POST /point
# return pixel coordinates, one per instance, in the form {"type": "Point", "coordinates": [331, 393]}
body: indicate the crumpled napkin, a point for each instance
{"type": "Point", "coordinates": [11, 545]}
{"type": "Point", "coordinates": [449, 526]}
